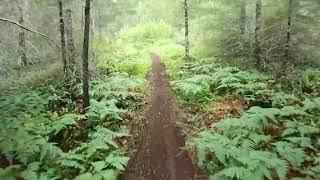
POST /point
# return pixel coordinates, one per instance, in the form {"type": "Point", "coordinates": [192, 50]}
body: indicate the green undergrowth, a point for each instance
{"type": "Point", "coordinates": [43, 135]}
{"type": "Point", "coordinates": [130, 52]}
{"type": "Point", "coordinates": [275, 136]}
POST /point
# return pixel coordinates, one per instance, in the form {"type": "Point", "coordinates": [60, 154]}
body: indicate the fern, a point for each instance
{"type": "Point", "coordinates": [194, 89]}
{"type": "Point", "coordinates": [64, 122]}
{"type": "Point", "coordinates": [238, 162]}
{"type": "Point", "coordinates": [263, 141]}
{"type": "Point", "coordinates": [10, 172]}
{"type": "Point", "coordinates": [300, 128]}
{"type": "Point", "coordinates": [121, 88]}
{"type": "Point", "coordinates": [32, 120]}
{"type": "Point", "coordinates": [99, 154]}
{"type": "Point", "coordinates": [116, 161]}
{"type": "Point", "coordinates": [295, 156]}
{"type": "Point", "coordinates": [31, 171]}
{"type": "Point", "coordinates": [105, 111]}
{"type": "Point", "coordinates": [312, 105]}
{"type": "Point", "coordinates": [236, 147]}
{"type": "Point", "coordinates": [259, 164]}
{"type": "Point", "coordinates": [26, 147]}
{"type": "Point", "coordinates": [109, 174]}
{"type": "Point", "coordinates": [281, 99]}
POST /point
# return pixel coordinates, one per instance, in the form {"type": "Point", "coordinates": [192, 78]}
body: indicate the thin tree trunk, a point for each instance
{"type": "Point", "coordinates": [186, 21]}
{"type": "Point", "coordinates": [243, 18]}
{"type": "Point", "coordinates": [22, 39]}
{"type": "Point", "coordinates": [100, 25]}
{"type": "Point", "coordinates": [70, 43]}
{"type": "Point", "coordinates": [257, 48]}
{"type": "Point", "coordinates": [92, 26]}
{"type": "Point", "coordinates": [288, 41]}
{"type": "Point", "coordinates": [63, 41]}
{"type": "Point", "coordinates": [85, 56]}
{"type": "Point", "coordinates": [82, 21]}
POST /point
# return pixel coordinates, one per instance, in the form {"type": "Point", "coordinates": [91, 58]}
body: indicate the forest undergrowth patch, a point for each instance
{"type": "Point", "coordinates": [244, 125]}
{"type": "Point", "coordinates": [44, 137]}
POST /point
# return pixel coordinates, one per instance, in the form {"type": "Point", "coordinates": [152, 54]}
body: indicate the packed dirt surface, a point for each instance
{"type": "Point", "coordinates": [159, 155]}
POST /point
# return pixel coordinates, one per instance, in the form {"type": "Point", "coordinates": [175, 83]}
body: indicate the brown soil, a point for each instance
{"type": "Point", "coordinates": [158, 146]}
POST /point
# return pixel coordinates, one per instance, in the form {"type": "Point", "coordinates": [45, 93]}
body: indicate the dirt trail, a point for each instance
{"type": "Point", "coordinates": [159, 155]}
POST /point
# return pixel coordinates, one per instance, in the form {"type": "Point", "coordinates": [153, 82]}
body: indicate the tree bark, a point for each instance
{"type": "Point", "coordinates": [288, 41]}
{"type": "Point", "coordinates": [22, 39]}
{"type": "Point", "coordinates": [85, 56]}
{"type": "Point", "coordinates": [257, 44]}
{"type": "Point", "coordinates": [62, 34]}
{"type": "Point", "coordinates": [186, 23]}
{"type": "Point", "coordinates": [72, 65]}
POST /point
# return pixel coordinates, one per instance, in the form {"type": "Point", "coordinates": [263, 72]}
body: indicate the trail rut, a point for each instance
{"type": "Point", "coordinates": [159, 155]}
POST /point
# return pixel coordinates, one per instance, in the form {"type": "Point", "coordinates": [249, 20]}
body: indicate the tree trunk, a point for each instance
{"type": "Point", "coordinates": [72, 65]}
{"type": "Point", "coordinates": [288, 41]}
{"type": "Point", "coordinates": [100, 25]}
{"type": "Point", "coordinates": [85, 56]}
{"type": "Point", "coordinates": [186, 23]}
{"type": "Point", "coordinates": [82, 21]}
{"type": "Point", "coordinates": [243, 18]}
{"type": "Point", "coordinates": [257, 44]}
{"type": "Point", "coordinates": [63, 41]}
{"type": "Point", "coordinates": [92, 26]}
{"type": "Point", "coordinates": [22, 39]}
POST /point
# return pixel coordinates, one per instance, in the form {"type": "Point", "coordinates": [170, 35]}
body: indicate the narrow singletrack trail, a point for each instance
{"type": "Point", "coordinates": [159, 155]}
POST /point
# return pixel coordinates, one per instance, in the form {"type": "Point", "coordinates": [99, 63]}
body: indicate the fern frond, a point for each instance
{"type": "Point", "coordinates": [117, 161]}
{"type": "Point", "coordinates": [295, 156]}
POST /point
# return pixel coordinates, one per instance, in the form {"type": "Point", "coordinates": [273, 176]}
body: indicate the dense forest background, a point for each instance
{"type": "Point", "coordinates": [241, 69]}
{"type": "Point", "coordinates": [217, 28]}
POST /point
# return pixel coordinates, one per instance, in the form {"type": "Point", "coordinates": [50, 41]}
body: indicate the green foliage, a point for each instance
{"type": "Point", "coordinates": [172, 56]}
{"type": "Point", "coordinates": [235, 148]}
{"type": "Point", "coordinates": [228, 158]}
{"type": "Point", "coordinates": [98, 157]}
{"type": "Point", "coordinates": [147, 33]}
{"type": "Point", "coordinates": [117, 87]}
{"type": "Point", "coordinates": [277, 134]}
{"type": "Point", "coordinates": [311, 79]}
{"type": "Point", "coordinates": [312, 105]}
{"type": "Point", "coordinates": [211, 80]}
{"type": "Point", "coordinates": [129, 52]}
{"type": "Point", "coordinates": [37, 127]}
{"type": "Point", "coordinates": [194, 89]}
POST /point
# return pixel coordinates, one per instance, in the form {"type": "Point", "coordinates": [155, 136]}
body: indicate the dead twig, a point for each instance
{"type": "Point", "coordinates": [21, 26]}
{"type": "Point", "coordinates": [28, 29]}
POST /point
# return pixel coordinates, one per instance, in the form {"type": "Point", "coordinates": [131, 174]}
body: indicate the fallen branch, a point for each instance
{"type": "Point", "coordinates": [23, 27]}
{"type": "Point", "coordinates": [28, 29]}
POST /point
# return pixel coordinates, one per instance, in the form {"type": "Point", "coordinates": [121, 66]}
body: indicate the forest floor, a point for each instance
{"type": "Point", "coordinates": [158, 144]}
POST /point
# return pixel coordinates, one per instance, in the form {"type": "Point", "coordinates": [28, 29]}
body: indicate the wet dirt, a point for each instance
{"type": "Point", "coordinates": [158, 145]}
